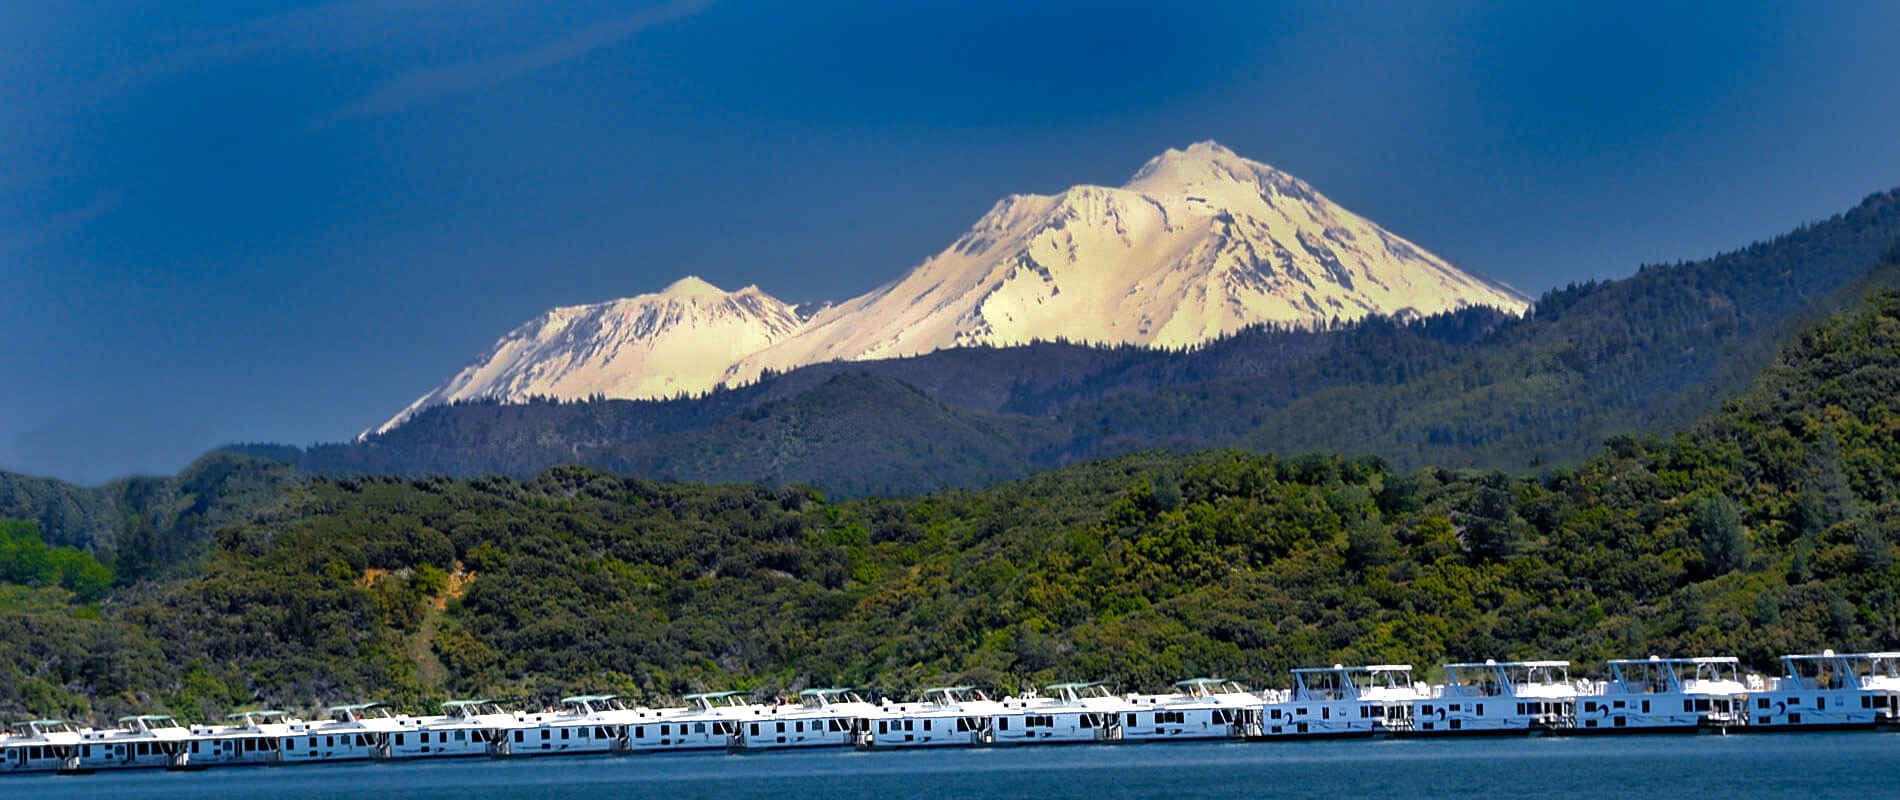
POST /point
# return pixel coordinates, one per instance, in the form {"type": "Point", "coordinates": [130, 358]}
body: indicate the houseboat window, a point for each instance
{"type": "Point", "coordinates": [1645, 706]}
{"type": "Point", "coordinates": [563, 733]}
{"type": "Point", "coordinates": [546, 734]}
{"type": "Point", "coordinates": [1794, 719]}
{"type": "Point", "coordinates": [699, 727]}
{"type": "Point", "coordinates": [1820, 704]}
{"type": "Point", "coordinates": [1480, 709]}
{"type": "Point", "coordinates": [1688, 705]}
{"type": "Point", "coordinates": [1131, 720]}
{"type": "Point", "coordinates": [1326, 712]}
{"type": "Point", "coordinates": [640, 731]}
{"type": "Point", "coordinates": [145, 749]}
{"type": "Point", "coordinates": [399, 740]}
{"type": "Point", "coordinates": [926, 724]}
{"type": "Point", "coordinates": [755, 729]}
{"type": "Point", "coordinates": [1002, 723]}
{"type": "Point", "coordinates": [461, 736]}
{"type": "Point", "coordinates": [329, 741]}
{"type": "Point", "coordinates": [666, 730]}
{"type": "Point", "coordinates": [85, 752]}
{"type": "Point", "coordinates": [1761, 703]}
{"type": "Point", "coordinates": [781, 727]}
{"type": "Point", "coordinates": [883, 727]}
{"type": "Point", "coordinates": [519, 735]}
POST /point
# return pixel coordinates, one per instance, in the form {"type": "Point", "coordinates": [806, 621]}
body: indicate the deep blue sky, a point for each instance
{"type": "Point", "coordinates": [252, 221]}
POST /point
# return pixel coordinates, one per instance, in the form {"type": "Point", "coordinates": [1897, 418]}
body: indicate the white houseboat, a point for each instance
{"type": "Point", "coordinates": [821, 718]}
{"type": "Point", "coordinates": [1198, 708]}
{"type": "Point", "coordinates": [356, 732]}
{"type": "Point", "coordinates": [1343, 702]}
{"type": "Point", "coordinates": [465, 728]}
{"type": "Point", "coordinates": [1500, 697]}
{"type": "Point", "coordinates": [1830, 690]}
{"type": "Point", "coordinates": [40, 745]}
{"type": "Point", "coordinates": [709, 721]}
{"type": "Point", "coordinates": [947, 716]}
{"type": "Point", "coordinates": [593, 723]}
{"type": "Point", "coordinates": [1665, 694]}
{"type": "Point", "coordinates": [1070, 712]}
{"type": "Point", "coordinates": [143, 742]}
{"type": "Point", "coordinates": [248, 737]}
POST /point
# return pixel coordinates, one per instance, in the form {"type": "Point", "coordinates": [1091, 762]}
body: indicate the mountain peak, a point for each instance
{"type": "Point", "coordinates": [1199, 166]}
{"type": "Point", "coordinates": [692, 286]}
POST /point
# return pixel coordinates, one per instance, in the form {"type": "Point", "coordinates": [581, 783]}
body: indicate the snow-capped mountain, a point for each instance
{"type": "Point", "coordinates": [1200, 243]}
{"type": "Point", "coordinates": [680, 340]}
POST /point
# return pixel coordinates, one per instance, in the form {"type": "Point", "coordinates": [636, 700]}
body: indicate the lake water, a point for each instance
{"type": "Point", "coordinates": [1846, 765]}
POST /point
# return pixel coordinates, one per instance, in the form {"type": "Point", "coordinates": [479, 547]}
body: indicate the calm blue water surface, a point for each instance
{"type": "Point", "coordinates": [1855, 765]}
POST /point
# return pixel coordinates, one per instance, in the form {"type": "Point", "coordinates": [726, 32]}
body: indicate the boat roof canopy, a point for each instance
{"type": "Point", "coordinates": [145, 718]}
{"type": "Point", "coordinates": [1475, 664]}
{"type": "Point", "coordinates": [262, 712]}
{"type": "Point", "coordinates": [586, 698]}
{"type": "Point", "coordinates": [948, 689]}
{"type": "Point", "coordinates": [709, 695]}
{"type": "Point", "coordinates": [824, 692]}
{"type": "Point", "coordinates": [360, 707]}
{"type": "Point", "coordinates": [465, 703]}
{"type": "Point", "coordinates": [1659, 660]}
{"type": "Point", "coordinates": [1076, 686]}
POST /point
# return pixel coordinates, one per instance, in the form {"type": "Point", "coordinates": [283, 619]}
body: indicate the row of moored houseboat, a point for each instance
{"type": "Point", "coordinates": [1825, 691]}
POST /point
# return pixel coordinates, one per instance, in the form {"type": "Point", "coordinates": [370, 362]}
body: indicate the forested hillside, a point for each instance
{"type": "Point", "coordinates": [1471, 389]}
{"type": "Point", "coordinates": [1768, 526]}
{"type": "Point", "coordinates": [146, 526]}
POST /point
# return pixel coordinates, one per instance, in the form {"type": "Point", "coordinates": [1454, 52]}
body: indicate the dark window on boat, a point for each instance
{"type": "Point", "coordinates": [699, 727]}
{"type": "Point", "coordinates": [329, 741]}
{"type": "Point", "coordinates": [908, 725]}
{"type": "Point", "coordinates": [755, 729]}
{"type": "Point", "coordinates": [781, 727]}
{"type": "Point", "coordinates": [1794, 719]}
{"type": "Point", "coordinates": [1131, 720]}
{"type": "Point", "coordinates": [1422, 710]}
{"type": "Point", "coordinates": [145, 749]}
{"type": "Point", "coordinates": [1761, 703]}
{"type": "Point", "coordinates": [398, 740]}
{"type": "Point", "coordinates": [926, 724]}
{"type": "Point", "coordinates": [546, 734]}
{"type": "Point", "coordinates": [640, 731]}
{"type": "Point", "coordinates": [1621, 721]}
{"type": "Point", "coordinates": [1702, 705]}
{"type": "Point", "coordinates": [518, 736]}
{"type": "Point", "coordinates": [1619, 704]}
{"type": "Point", "coordinates": [1326, 712]}
{"type": "Point", "coordinates": [1866, 702]}
{"type": "Point", "coordinates": [564, 733]}
{"type": "Point", "coordinates": [85, 752]}
{"type": "Point", "coordinates": [666, 730]}
{"type": "Point", "coordinates": [1688, 705]}
{"type": "Point", "coordinates": [1002, 723]}
{"type": "Point", "coordinates": [883, 727]}
{"type": "Point", "coordinates": [1454, 724]}
{"type": "Point", "coordinates": [1589, 707]}
{"type": "Point", "coordinates": [1820, 704]}
{"type": "Point", "coordinates": [1761, 720]}
{"type": "Point", "coordinates": [1645, 706]}
{"type": "Point", "coordinates": [963, 725]}
{"type": "Point", "coordinates": [1088, 721]}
